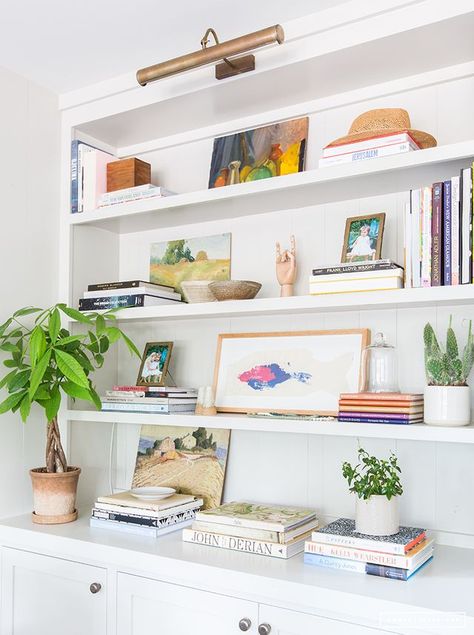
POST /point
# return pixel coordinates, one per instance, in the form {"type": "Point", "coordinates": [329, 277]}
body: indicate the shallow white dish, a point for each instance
{"type": "Point", "coordinates": [152, 493]}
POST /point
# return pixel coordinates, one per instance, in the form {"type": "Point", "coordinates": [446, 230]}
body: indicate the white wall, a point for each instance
{"type": "Point", "coordinates": [29, 186]}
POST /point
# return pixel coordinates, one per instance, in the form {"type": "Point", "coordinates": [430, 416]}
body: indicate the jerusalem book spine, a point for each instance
{"type": "Point", "coordinates": [363, 155]}
{"type": "Point", "coordinates": [436, 236]}
{"type": "Point", "coordinates": [447, 233]}
{"type": "Point", "coordinates": [113, 302]}
{"type": "Point", "coordinates": [455, 231]}
{"type": "Point", "coordinates": [234, 543]}
{"type": "Point", "coordinates": [329, 562]}
{"type": "Point", "coordinates": [415, 206]}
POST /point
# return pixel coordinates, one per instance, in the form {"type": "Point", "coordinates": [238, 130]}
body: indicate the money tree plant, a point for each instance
{"type": "Point", "coordinates": [373, 476]}
{"type": "Point", "coordinates": [47, 361]}
{"type": "Point", "coordinates": [450, 367]}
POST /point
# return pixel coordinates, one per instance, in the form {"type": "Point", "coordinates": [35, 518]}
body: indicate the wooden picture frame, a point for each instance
{"type": "Point", "coordinates": [251, 370]}
{"type": "Point", "coordinates": [363, 251]}
{"type": "Point", "coordinates": [145, 374]}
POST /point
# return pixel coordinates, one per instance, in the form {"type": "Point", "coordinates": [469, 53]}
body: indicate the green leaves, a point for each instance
{"type": "Point", "coordinates": [10, 402]}
{"type": "Point", "coordinates": [79, 316]}
{"type": "Point", "coordinates": [71, 368]}
{"type": "Point", "coordinates": [373, 476]}
{"type": "Point", "coordinates": [38, 373]}
{"type": "Point", "coordinates": [54, 325]}
{"type": "Point", "coordinates": [449, 368]}
{"type": "Point", "coordinates": [37, 345]}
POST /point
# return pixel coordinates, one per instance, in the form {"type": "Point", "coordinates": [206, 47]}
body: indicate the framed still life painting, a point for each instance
{"type": "Point", "coordinates": [260, 153]}
{"type": "Point", "coordinates": [291, 372]}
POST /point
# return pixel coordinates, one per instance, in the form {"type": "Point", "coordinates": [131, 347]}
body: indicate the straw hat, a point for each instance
{"type": "Point", "coordinates": [384, 121]}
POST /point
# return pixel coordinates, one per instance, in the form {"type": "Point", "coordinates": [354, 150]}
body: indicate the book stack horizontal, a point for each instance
{"type": "Point", "coordinates": [124, 512]}
{"type": "Point", "coordinates": [136, 193]}
{"type": "Point", "coordinates": [377, 146]}
{"type": "Point", "coordinates": [266, 530]}
{"type": "Point", "coordinates": [154, 399]}
{"type": "Point", "coordinates": [381, 407]}
{"type": "Point", "coordinates": [376, 275]}
{"type": "Point", "coordinates": [126, 294]}
{"type": "Point", "coordinates": [339, 546]}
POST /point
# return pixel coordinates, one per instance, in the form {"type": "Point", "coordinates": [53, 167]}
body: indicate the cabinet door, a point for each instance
{"type": "Point", "coordinates": [147, 606]}
{"type": "Point", "coordinates": [284, 622]}
{"type": "Point", "coordinates": [50, 596]}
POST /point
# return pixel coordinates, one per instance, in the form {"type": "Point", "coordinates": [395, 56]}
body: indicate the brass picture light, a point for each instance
{"type": "Point", "coordinates": [218, 51]}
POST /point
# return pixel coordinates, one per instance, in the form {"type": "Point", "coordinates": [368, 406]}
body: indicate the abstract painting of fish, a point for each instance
{"type": "Point", "coordinates": [270, 375]}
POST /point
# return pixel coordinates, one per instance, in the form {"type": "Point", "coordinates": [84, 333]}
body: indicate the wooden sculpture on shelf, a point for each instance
{"type": "Point", "coordinates": [286, 268]}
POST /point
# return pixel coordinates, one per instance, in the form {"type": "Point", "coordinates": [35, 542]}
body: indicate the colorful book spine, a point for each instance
{"type": "Point", "coordinates": [329, 562]}
{"type": "Point", "coordinates": [77, 148]}
{"type": "Point", "coordinates": [455, 230]}
{"type": "Point", "coordinates": [398, 420]}
{"type": "Point", "coordinates": [436, 236]}
{"type": "Point", "coordinates": [447, 234]}
{"type": "Point", "coordinates": [234, 543]}
{"type": "Point", "coordinates": [393, 548]}
{"type": "Point", "coordinates": [426, 213]}
{"type": "Point", "coordinates": [394, 573]}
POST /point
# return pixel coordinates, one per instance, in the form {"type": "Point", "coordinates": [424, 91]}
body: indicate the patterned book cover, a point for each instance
{"type": "Point", "coordinates": [259, 516]}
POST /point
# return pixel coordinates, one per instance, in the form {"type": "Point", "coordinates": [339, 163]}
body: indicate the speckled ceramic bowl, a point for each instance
{"type": "Point", "coordinates": [235, 289]}
{"type": "Point", "coordinates": [197, 291]}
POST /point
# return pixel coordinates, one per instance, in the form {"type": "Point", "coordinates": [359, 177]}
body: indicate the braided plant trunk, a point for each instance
{"type": "Point", "coordinates": [55, 457]}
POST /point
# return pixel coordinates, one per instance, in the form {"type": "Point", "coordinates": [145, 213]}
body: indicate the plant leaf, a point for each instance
{"type": "Point", "coordinates": [95, 398]}
{"type": "Point", "coordinates": [19, 380]}
{"type": "Point", "coordinates": [26, 311]}
{"type": "Point", "coordinates": [25, 407]}
{"type": "Point", "coordinates": [74, 314]}
{"type": "Point", "coordinates": [52, 404]}
{"type": "Point", "coordinates": [70, 338]}
{"type": "Point", "coordinates": [71, 368]}
{"type": "Point", "coordinates": [54, 325]}
{"type": "Point", "coordinates": [7, 378]}
{"type": "Point", "coordinates": [100, 325]}
{"type": "Point", "coordinates": [38, 373]}
{"type": "Point", "coordinates": [75, 391]}
{"type": "Point", "coordinates": [113, 333]}
{"type": "Point", "coordinates": [37, 345]}
{"type": "Point", "coordinates": [9, 347]}
{"type": "Point", "coordinates": [130, 345]}
{"type": "Point", "coordinates": [11, 401]}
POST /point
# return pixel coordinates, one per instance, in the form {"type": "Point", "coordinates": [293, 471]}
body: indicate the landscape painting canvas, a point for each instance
{"type": "Point", "coordinates": [300, 372]}
{"type": "Point", "coordinates": [201, 258]}
{"type": "Point", "coordinates": [192, 460]}
{"type": "Point", "coordinates": [260, 153]}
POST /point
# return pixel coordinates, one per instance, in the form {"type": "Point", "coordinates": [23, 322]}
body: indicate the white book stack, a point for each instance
{"type": "Point", "coordinates": [380, 146]}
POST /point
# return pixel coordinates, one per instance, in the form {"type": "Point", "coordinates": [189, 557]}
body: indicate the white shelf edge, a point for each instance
{"type": "Point", "coordinates": [420, 158]}
{"type": "Point", "coordinates": [413, 432]}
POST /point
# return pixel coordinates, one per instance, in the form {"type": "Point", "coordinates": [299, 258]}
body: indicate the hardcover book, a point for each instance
{"type": "Point", "coordinates": [124, 301]}
{"type": "Point", "coordinates": [194, 505]}
{"type": "Point", "coordinates": [124, 284]}
{"type": "Point", "coordinates": [447, 233]}
{"type": "Point", "coordinates": [455, 230]}
{"type": "Point", "coordinates": [256, 534]}
{"type": "Point", "coordinates": [436, 235]}
{"type": "Point", "coordinates": [152, 532]}
{"type": "Point", "coordinates": [126, 499]}
{"type": "Point", "coordinates": [382, 396]}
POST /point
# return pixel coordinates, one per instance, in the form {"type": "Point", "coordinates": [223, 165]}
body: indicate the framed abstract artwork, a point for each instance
{"type": "Point", "coordinates": [260, 153]}
{"type": "Point", "coordinates": [300, 372]}
{"type": "Point", "coordinates": [363, 238]}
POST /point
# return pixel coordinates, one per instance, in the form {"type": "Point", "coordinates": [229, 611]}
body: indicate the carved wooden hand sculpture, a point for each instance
{"type": "Point", "coordinates": [286, 268]}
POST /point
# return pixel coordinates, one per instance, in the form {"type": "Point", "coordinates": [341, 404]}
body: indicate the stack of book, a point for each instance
{"type": "Point", "coordinates": [375, 275]}
{"type": "Point", "coordinates": [267, 530]}
{"type": "Point", "coordinates": [378, 146]}
{"type": "Point", "coordinates": [88, 176]}
{"type": "Point", "coordinates": [339, 546]}
{"type": "Point", "coordinates": [381, 407]}
{"type": "Point", "coordinates": [136, 193]}
{"type": "Point", "coordinates": [154, 399]}
{"type": "Point", "coordinates": [438, 233]}
{"type": "Point", "coordinates": [124, 512]}
{"type": "Point", "coordinates": [126, 294]}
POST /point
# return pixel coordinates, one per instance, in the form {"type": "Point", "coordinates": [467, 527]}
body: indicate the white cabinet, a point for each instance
{"type": "Point", "coordinates": [50, 596]}
{"type": "Point", "coordinates": [147, 606]}
{"type": "Point", "coordinates": [275, 621]}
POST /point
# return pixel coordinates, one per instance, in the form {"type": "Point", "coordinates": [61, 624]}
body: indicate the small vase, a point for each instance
{"type": "Point", "coordinates": [377, 516]}
{"type": "Point", "coordinates": [447, 406]}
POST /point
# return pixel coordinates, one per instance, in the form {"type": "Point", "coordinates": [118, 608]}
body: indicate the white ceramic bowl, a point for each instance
{"type": "Point", "coordinates": [197, 291]}
{"type": "Point", "coordinates": [152, 493]}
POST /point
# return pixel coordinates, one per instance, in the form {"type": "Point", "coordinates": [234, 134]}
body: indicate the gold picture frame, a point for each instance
{"type": "Point", "coordinates": [156, 357]}
{"type": "Point", "coordinates": [363, 237]}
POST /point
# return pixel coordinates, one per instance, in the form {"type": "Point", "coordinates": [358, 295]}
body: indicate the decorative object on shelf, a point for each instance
{"type": "Point", "coordinates": [192, 460]}
{"type": "Point", "coordinates": [155, 362]}
{"type": "Point", "coordinates": [291, 372]}
{"type": "Point", "coordinates": [447, 395]}
{"type": "Point", "coordinates": [206, 403]}
{"type": "Point", "coordinates": [46, 359]}
{"type": "Point", "coordinates": [376, 482]}
{"type": "Point", "coordinates": [254, 149]}
{"type": "Point", "coordinates": [363, 238]}
{"type": "Point", "coordinates": [152, 493]}
{"type": "Point", "coordinates": [200, 399]}
{"type": "Point", "coordinates": [382, 122]}
{"type": "Point", "coordinates": [373, 275]}
{"type": "Point", "coordinates": [286, 268]}
{"type": "Point", "coordinates": [234, 289]}
{"type": "Point", "coordinates": [220, 51]}
{"type": "Point", "coordinates": [127, 173]}
{"type": "Point", "coordinates": [197, 291]}
{"type": "Point", "coordinates": [202, 258]}
{"type": "Point", "coordinates": [379, 364]}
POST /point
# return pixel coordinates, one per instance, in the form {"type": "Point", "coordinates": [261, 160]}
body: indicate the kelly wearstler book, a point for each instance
{"type": "Point", "coordinates": [258, 516]}
{"type": "Point", "coordinates": [256, 534]}
{"type": "Point", "coordinates": [248, 545]}
{"type": "Point", "coordinates": [342, 532]}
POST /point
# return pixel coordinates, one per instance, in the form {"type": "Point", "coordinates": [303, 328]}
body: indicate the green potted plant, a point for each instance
{"type": "Point", "coordinates": [376, 483]}
{"type": "Point", "coordinates": [46, 362]}
{"type": "Point", "coordinates": [447, 395]}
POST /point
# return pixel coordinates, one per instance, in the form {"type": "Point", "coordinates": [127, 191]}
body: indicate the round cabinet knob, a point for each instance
{"type": "Point", "coordinates": [264, 629]}
{"type": "Point", "coordinates": [95, 587]}
{"type": "Point", "coordinates": [245, 624]}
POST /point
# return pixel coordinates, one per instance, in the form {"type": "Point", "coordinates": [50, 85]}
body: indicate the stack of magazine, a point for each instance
{"type": "Point", "coordinates": [373, 275]}
{"type": "Point", "coordinates": [267, 530]}
{"type": "Point", "coordinates": [126, 294]}
{"type": "Point", "coordinates": [154, 399]}
{"type": "Point", "coordinates": [124, 512]}
{"type": "Point", "coordinates": [339, 546]}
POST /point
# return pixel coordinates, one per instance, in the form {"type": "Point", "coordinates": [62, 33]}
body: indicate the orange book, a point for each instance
{"type": "Point", "coordinates": [402, 410]}
{"type": "Point", "coordinates": [379, 404]}
{"type": "Point", "coordinates": [382, 396]}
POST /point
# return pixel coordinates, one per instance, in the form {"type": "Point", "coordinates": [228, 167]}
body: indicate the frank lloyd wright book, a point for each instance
{"type": "Point", "coordinates": [348, 267]}
{"type": "Point", "coordinates": [258, 516]}
{"type": "Point", "coordinates": [248, 545]}
{"type": "Point", "coordinates": [437, 237]}
{"type": "Point", "coordinates": [256, 534]}
{"type": "Point", "coordinates": [342, 532]}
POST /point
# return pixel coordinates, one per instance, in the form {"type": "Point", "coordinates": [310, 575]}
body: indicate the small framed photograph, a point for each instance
{"type": "Point", "coordinates": [363, 238]}
{"type": "Point", "coordinates": [154, 366]}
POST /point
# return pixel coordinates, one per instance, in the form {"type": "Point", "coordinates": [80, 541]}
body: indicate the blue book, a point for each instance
{"type": "Point", "coordinates": [401, 420]}
{"type": "Point", "coordinates": [394, 573]}
{"type": "Point", "coordinates": [329, 562]}
{"type": "Point", "coordinates": [447, 238]}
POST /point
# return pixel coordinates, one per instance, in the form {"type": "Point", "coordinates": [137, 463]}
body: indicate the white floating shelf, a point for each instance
{"type": "Point", "coordinates": [364, 301]}
{"type": "Point", "coordinates": [414, 432]}
{"type": "Point", "coordinates": [313, 187]}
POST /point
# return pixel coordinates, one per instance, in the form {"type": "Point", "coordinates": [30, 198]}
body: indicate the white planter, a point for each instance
{"type": "Point", "coordinates": [377, 516]}
{"type": "Point", "coordinates": [447, 405]}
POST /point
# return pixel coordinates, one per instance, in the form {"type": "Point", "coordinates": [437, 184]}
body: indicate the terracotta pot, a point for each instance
{"type": "Point", "coordinates": [54, 495]}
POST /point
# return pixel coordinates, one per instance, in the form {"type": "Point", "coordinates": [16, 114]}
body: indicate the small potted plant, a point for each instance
{"type": "Point", "coordinates": [376, 482]}
{"type": "Point", "coordinates": [447, 395]}
{"type": "Point", "coordinates": [44, 361]}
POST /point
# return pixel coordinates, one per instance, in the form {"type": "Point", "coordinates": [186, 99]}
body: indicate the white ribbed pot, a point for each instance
{"type": "Point", "coordinates": [377, 516]}
{"type": "Point", "coordinates": [447, 405]}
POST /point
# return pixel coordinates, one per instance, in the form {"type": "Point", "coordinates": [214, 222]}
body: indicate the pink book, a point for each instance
{"type": "Point", "coordinates": [94, 167]}
{"type": "Point", "coordinates": [381, 396]}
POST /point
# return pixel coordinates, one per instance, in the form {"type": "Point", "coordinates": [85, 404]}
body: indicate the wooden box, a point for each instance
{"type": "Point", "coordinates": [127, 173]}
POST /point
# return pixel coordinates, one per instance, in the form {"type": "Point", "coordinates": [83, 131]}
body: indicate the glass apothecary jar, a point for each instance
{"type": "Point", "coordinates": [380, 368]}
